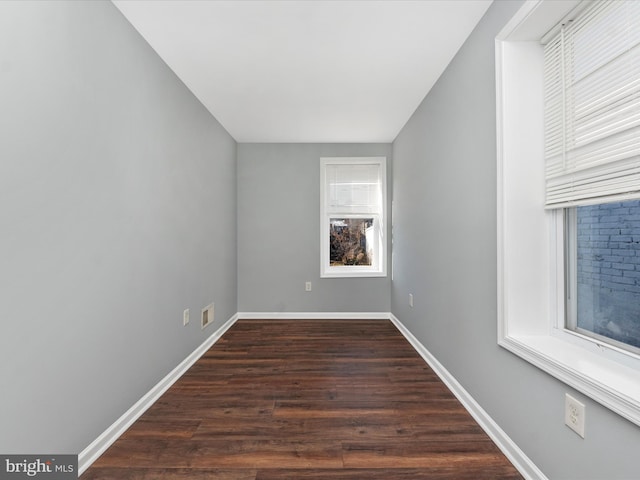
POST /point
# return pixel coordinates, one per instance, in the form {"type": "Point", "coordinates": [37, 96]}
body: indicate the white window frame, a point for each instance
{"type": "Point", "coordinates": [379, 266]}
{"type": "Point", "coordinates": [531, 239]}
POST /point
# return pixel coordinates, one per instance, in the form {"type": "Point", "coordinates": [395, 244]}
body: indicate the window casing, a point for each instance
{"type": "Point", "coordinates": [353, 217]}
{"type": "Point", "coordinates": [532, 239]}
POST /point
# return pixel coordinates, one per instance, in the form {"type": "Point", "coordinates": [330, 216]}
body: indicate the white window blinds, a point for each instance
{"type": "Point", "coordinates": [592, 106]}
{"type": "Point", "coordinates": [354, 188]}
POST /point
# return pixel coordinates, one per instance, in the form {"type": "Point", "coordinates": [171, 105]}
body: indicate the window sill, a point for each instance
{"type": "Point", "coordinates": [608, 382]}
{"type": "Point", "coordinates": [352, 274]}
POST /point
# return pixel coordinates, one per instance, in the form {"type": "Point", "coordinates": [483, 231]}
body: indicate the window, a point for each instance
{"type": "Point", "coordinates": [353, 211]}
{"type": "Point", "coordinates": [564, 304]}
{"type": "Point", "coordinates": [603, 268]}
{"type": "Point", "coordinates": [592, 155]}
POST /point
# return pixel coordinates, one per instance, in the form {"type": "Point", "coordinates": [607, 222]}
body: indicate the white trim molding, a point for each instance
{"type": "Point", "coordinates": [516, 456]}
{"type": "Point", "coordinates": [111, 434]}
{"type": "Point", "coordinates": [314, 315]}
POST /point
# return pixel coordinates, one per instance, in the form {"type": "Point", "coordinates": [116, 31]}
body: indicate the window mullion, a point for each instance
{"type": "Point", "coordinates": [570, 268]}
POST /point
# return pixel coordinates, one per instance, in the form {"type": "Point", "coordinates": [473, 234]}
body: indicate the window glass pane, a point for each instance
{"type": "Point", "coordinates": [608, 270]}
{"type": "Point", "coordinates": [351, 241]}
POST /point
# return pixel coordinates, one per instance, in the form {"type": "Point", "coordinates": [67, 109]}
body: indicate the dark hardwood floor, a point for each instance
{"type": "Point", "coordinates": [305, 399]}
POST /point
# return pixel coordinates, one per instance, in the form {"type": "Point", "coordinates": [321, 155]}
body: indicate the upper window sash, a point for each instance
{"type": "Point", "coordinates": [353, 188]}
{"type": "Point", "coordinates": [592, 105]}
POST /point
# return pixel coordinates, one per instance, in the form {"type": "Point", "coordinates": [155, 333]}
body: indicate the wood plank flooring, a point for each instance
{"type": "Point", "coordinates": [306, 399]}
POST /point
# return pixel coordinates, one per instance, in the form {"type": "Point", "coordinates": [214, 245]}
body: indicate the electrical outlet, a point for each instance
{"type": "Point", "coordinates": [574, 414]}
{"type": "Point", "coordinates": [411, 300]}
{"type": "Point", "coordinates": [185, 317]}
{"type": "Point", "coordinates": [307, 286]}
{"type": "Point", "coordinates": [207, 315]}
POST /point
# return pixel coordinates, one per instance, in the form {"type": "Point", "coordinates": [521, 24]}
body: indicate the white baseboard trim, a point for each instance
{"type": "Point", "coordinates": [111, 434]}
{"type": "Point", "coordinates": [523, 463]}
{"type": "Point", "coordinates": [314, 315]}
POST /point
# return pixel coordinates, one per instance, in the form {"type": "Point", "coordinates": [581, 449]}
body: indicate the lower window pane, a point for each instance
{"type": "Point", "coordinates": [608, 271]}
{"type": "Point", "coordinates": [351, 241]}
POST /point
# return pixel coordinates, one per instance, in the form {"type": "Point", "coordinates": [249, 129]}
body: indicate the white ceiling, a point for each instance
{"type": "Point", "coordinates": [307, 71]}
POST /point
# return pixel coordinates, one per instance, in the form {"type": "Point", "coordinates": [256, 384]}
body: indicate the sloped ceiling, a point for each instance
{"type": "Point", "coordinates": [307, 71]}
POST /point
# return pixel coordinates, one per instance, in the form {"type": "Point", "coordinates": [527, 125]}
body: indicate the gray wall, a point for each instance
{"type": "Point", "coordinates": [117, 211]}
{"type": "Point", "coordinates": [279, 232]}
{"type": "Point", "coordinates": [445, 254]}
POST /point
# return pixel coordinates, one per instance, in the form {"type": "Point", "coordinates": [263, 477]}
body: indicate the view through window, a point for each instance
{"type": "Point", "coordinates": [607, 272]}
{"type": "Point", "coordinates": [351, 241]}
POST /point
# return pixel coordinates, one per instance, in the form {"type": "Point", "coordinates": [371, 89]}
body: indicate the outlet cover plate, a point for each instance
{"type": "Point", "coordinates": [574, 414]}
{"type": "Point", "coordinates": [185, 317]}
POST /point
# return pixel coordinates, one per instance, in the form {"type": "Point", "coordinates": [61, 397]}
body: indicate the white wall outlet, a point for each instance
{"type": "Point", "coordinates": [207, 315]}
{"type": "Point", "coordinates": [307, 286]}
{"type": "Point", "coordinates": [411, 300]}
{"type": "Point", "coordinates": [574, 414]}
{"type": "Point", "coordinates": [185, 317]}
